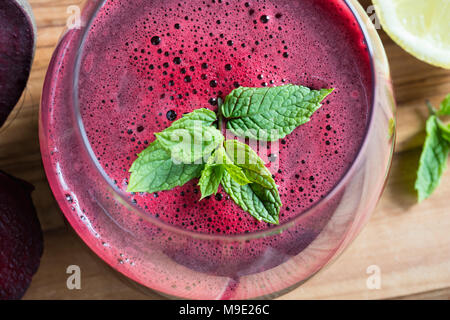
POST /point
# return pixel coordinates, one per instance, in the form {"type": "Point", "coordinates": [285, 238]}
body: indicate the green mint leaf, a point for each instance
{"type": "Point", "coordinates": [445, 107]}
{"type": "Point", "coordinates": [433, 160]}
{"type": "Point", "coordinates": [263, 204]}
{"type": "Point", "coordinates": [154, 171]}
{"type": "Point", "coordinates": [212, 175]}
{"type": "Point", "coordinates": [210, 180]}
{"type": "Point", "coordinates": [252, 165]}
{"type": "Point", "coordinates": [237, 174]}
{"type": "Point", "coordinates": [270, 113]}
{"type": "Point", "coordinates": [260, 198]}
{"type": "Point", "coordinates": [191, 144]}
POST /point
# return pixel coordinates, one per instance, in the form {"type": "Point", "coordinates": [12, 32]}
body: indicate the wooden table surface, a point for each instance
{"type": "Point", "coordinates": [409, 242]}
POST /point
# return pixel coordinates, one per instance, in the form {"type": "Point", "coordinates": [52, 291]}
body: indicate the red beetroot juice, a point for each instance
{"type": "Point", "coordinates": [145, 63]}
{"type": "Point", "coordinates": [161, 60]}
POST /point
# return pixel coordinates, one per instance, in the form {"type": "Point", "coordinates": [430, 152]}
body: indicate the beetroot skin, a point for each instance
{"type": "Point", "coordinates": [21, 242]}
{"type": "Point", "coordinates": [17, 42]}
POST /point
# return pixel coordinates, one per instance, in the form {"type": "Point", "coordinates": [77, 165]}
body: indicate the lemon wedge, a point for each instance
{"type": "Point", "coordinates": [421, 27]}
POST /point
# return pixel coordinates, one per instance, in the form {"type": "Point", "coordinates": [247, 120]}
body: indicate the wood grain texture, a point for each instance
{"type": "Point", "coordinates": [409, 242]}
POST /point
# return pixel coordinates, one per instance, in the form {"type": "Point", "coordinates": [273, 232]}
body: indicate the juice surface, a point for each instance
{"type": "Point", "coordinates": [145, 63]}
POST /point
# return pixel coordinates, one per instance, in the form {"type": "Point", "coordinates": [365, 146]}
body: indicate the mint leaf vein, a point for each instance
{"type": "Point", "coordinates": [193, 147]}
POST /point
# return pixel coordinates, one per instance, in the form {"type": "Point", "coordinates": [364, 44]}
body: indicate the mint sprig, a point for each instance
{"type": "Point", "coordinates": [433, 160]}
{"type": "Point", "coordinates": [270, 114]}
{"type": "Point", "coordinates": [193, 147]}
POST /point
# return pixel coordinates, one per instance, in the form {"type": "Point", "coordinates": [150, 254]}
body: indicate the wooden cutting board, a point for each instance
{"type": "Point", "coordinates": [410, 243]}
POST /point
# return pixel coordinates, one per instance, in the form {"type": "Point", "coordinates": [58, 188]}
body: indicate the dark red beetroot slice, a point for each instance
{"type": "Point", "coordinates": [21, 243]}
{"type": "Point", "coordinates": [17, 44]}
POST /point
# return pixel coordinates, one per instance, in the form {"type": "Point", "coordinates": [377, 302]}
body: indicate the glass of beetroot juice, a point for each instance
{"type": "Point", "coordinates": [131, 68]}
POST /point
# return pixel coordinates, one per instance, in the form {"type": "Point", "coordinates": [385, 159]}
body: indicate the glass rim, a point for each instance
{"type": "Point", "coordinates": [232, 237]}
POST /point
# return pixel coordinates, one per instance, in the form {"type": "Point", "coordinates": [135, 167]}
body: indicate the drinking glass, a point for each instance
{"type": "Point", "coordinates": [176, 262]}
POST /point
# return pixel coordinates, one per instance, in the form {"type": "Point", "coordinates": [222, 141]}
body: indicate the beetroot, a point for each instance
{"type": "Point", "coordinates": [17, 45]}
{"type": "Point", "coordinates": [21, 243]}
